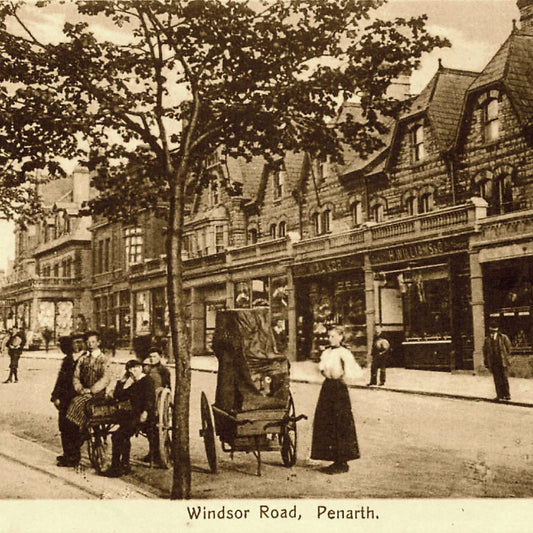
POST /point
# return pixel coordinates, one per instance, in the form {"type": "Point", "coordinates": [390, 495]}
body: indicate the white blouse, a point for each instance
{"type": "Point", "coordinates": [339, 362]}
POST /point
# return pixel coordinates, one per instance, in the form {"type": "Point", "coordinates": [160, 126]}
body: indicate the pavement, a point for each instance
{"type": "Point", "coordinates": [30, 471]}
{"type": "Point", "coordinates": [459, 385]}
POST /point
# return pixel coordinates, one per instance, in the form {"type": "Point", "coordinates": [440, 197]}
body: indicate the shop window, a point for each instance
{"type": "Point", "coordinates": [134, 245]}
{"type": "Point", "coordinates": [272, 231]}
{"type": "Point", "coordinates": [282, 229]}
{"type": "Point", "coordinates": [426, 202]}
{"type": "Point", "coordinates": [278, 181]}
{"type": "Point", "coordinates": [357, 213]}
{"type": "Point", "coordinates": [242, 294]}
{"type": "Point", "coordinates": [491, 119]}
{"type": "Point", "coordinates": [252, 236]}
{"type": "Point", "coordinates": [418, 149]}
{"type": "Point", "coordinates": [260, 293]}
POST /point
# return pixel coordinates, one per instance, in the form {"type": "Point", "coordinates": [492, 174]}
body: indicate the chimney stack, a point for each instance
{"type": "Point", "coordinates": [81, 185]}
{"type": "Point", "coordinates": [526, 16]}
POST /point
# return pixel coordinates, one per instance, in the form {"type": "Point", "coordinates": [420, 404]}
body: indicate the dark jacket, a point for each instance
{"type": "Point", "coordinates": [64, 389]}
{"type": "Point", "coordinates": [160, 375]}
{"type": "Point", "coordinates": [141, 394]}
{"type": "Point", "coordinates": [496, 351]}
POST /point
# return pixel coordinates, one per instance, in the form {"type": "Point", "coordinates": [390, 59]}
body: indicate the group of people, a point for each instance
{"type": "Point", "coordinates": [84, 377]}
{"type": "Point", "coordinates": [334, 434]}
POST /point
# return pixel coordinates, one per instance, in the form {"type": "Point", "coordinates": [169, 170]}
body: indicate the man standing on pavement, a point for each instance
{"type": "Point", "coordinates": [92, 375]}
{"type": "Point", "coordinates": [139, 390]}
{"type": "Point", "coordinates": [380, 351]}
{"type": "Point", "coordinates": [72, 346]}
{"type": "Point", "coordinates": [496, 351]}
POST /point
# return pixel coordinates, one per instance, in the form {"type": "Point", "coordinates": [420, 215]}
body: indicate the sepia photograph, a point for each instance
{"type": "Point", "coordinates": [266, 264]}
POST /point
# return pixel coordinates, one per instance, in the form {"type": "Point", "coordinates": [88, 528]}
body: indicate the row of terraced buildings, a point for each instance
{"type": "Point", "coordinates": [429, 237]}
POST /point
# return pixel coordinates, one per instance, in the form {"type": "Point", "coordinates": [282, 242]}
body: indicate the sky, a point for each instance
{"type": "Point", "coordinates": [475, 28]}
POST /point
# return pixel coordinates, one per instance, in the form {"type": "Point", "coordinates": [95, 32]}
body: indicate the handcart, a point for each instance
{"type": "Point", "coordinates": [104, 417]}
{"type": "Point", "coordinates": [254, 409]}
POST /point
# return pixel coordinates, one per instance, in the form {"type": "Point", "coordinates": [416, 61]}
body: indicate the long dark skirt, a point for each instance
{"type": "Point", "coordinates": [334, 436]}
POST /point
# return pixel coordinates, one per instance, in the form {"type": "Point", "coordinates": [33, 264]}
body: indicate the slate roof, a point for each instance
{"type": "Point", "coordinates": [59, 189]}
{"type": "Point", "coordinates": [512, 65]}
{"type": "Point", "coordinates": [442, 102]}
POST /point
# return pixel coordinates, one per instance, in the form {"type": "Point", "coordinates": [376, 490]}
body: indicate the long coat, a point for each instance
{"type": "Point", "coordinates": [64, 389]}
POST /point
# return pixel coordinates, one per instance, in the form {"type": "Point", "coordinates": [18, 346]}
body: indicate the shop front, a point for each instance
{"type": "Point", "coordinates": [330, 292]}
{"type": "Point", "coordinates": [422, 302]}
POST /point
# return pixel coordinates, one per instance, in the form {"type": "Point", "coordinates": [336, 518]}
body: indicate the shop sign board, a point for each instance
{"type": "Point", "coordinates": [328, 266]}
{"type": "Point", "coordinates": [507, 228]}
{"type": "Point", "coordinates": [419, 250]}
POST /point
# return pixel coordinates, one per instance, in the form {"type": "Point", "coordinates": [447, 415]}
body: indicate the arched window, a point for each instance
{"type": "Point", "coordinates": [502, 194]}
{"type": "Point", "coordinates": [252, 236]}
{"type": "Point", "coordinates": [426, 202]}
{"type": "Point", "coordinates": [272, 231]}
{"type": "Point", "coordinates": [315, 219]}
{"type": "Point", "coordinates": [378, 212]}
{"type": "Point", "coordinates": [282, 229]}
{"type": "Point", "coordinates": [357, 213]}
{"type": "Point", "coordinates": [278, 180]}
{"type": "Point", "coordinates": [411, 205]}
{"type": "Point", "coordinates": [326, 221]}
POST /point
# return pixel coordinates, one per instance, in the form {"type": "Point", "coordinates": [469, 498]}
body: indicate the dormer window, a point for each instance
{"type": "Point", "coordinates": [321, 169]}
{"type": "Point", "coordinates": [278, 181]}
{"type": "Point", "coordinates": [419, 152]}
{"type": "Point", "coordinates": [491, 119]}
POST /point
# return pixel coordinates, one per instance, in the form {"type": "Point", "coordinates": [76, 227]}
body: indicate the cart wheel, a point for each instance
{"type": "Point", "coordinates": [99, 449]}
{"type": "Point", "coordinates": [208, 433]}
{"type": "Point", "coordinates": [288, 436]}
{"type": "Point", "coordinates": [164, 426]}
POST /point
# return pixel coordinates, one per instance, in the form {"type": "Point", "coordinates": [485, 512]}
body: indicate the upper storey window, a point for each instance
{"type": "Point", "coordinates": [279, 176]}
{"type": "Point", "coordinates": [417, 140]}
{"type": "Point", "coordinates": [134, 245]}
{"type": "Point", "coordinates": [411, 206]}
{"type": "Point", "coordinates": [426, 202]}
{"type": "Point", "coordinates": [491, 120]}
{"type": "Point", "coordinates": [356, 209]}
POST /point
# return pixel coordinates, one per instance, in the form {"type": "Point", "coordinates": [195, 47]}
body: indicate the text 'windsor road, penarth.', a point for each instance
{"type": "Point", "coordinates": [271, 512]}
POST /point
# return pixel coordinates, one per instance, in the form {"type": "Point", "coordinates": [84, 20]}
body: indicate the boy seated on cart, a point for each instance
{"type": "Point", "coordinates": [139, 390]}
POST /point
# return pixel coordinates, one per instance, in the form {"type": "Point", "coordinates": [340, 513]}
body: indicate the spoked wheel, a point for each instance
{"type": "Point", "coordinates": [164, 426]}
{"type": "Point", "coordinates": [288, 436]}
{"type": "Point", "coordinates": [208, 433]}
{"type": "Point", "coordinates": [99, 449]}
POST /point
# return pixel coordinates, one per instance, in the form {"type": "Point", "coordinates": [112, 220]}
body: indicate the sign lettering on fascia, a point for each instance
{"type": "Point", "coordinates": [328, 266]}
{"type": "Point", "coordinates": [507, 228]}
{"type": "Point", "coordinates": [417, 250]}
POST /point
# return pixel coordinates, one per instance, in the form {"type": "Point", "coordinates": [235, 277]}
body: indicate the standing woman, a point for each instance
{"type": "Point", "coordinates": [334, 436]}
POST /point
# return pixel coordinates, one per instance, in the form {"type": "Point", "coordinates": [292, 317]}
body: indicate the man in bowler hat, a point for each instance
{"type": "Point", "coordinates": [496, 351]}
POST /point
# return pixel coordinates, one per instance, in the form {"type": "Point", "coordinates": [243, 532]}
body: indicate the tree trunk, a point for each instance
{"type": "Point", "coordinates": [181, 480]}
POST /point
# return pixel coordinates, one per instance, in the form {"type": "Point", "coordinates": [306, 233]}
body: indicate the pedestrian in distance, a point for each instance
{"type": "Point", "coordinates": [47, 337]}
{"type": "Point", "coordinates": [379, 354]}
{"type": "Point", "coordinates": [496, 352]}
{"type": "Point", "coordinates": [139, 390]}
{"type": "Point", "coordinates": [334, 435]}
{"type": "Point", "coordinates": [62, 394]}
{"type": "Point", "coordinates": [14, 349]}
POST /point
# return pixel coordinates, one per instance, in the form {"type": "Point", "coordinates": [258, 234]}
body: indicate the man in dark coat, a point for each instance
{"type": "Point", "coordinates": [141, 395]}
{"type": "Point", "coordinates": [72, 346]}
{"type": "Point", "coordinates": [380, 351]}
{"type": "Point", "coordinates": [496, 351]}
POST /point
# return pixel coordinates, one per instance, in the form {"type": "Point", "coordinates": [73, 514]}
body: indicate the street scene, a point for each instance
{"type": "Point", "coordinates": [413, 445]}
{"type": "Point", "coordinates": [268, 251]}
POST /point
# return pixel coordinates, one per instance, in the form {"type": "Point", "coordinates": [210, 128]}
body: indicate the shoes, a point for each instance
{"type": "Point", "coordinates": [60, 458]}
{"type": "Point", "coordinates": [112, 472]}
{"type": "Point", "coordinates": [497, 399]}
{"type": "Point", "coordinates": [7, 381]}
{"type": "Point", "coordinates": [381, 384]}
{"type": "Point", "coordinates": [335, 468]}
{"type": "Point", "coordinates": [371, 384]}
{"type": "Point", "coordinates": [126, 469]}
{"type": "Point", "coordinates": [506, 398]}
{"type": "Point", "coordinates": [67, 463]}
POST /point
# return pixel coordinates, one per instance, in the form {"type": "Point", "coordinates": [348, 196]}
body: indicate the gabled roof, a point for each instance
{"type": "Point", "coordinates": [54, 190]}
{"type": "Point", "coordinates": [441, 102]}
{"type": "Point", "coordinates": [512, 65]}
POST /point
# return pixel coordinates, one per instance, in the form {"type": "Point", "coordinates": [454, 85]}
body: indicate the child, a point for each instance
{"type": "Point", "coordinates": [334, 436]}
